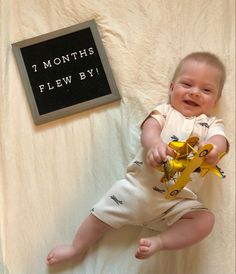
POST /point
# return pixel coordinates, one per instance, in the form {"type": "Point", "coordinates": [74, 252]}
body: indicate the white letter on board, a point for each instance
{"type": "Point", "coordinates": [41, 87]}
{"type": "Point", "coordinates": [67, 80]}
{"type": "Point", "coordinates": [84, 52]}
{"type": "Point", "coordinates": [34, 67]}
{"type": "Point", "coordinates": [82, 75]}
{"type": "Point", "coordinates": [46, 65]}
{"type": "Point", "coordinates": [90, 72]}
{"type": "Point", "coordinates": [57, 61]}
{"type": "Point", "coordinates": [58, 82]}
{"type": "Point", "coordinates": [74, 55]}
{"type": "Point", "coordinates": [91, 51]}
{"type": "Point", "coordinates": [49, 86]}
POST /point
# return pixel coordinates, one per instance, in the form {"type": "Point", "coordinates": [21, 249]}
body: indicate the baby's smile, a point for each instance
{"type": "Point", "coordinates": [191, 103]}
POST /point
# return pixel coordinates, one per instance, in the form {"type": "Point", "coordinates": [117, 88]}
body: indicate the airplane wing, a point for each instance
{"type": "Point", "coordinates": [183, 148]}
{"type": "Point", "coordinates": [205, 168]}
{"type": "Point", "coordinates": [193, 164]}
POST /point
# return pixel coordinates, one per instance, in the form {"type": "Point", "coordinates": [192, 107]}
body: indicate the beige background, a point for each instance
{"type": "Point", "coordinates": [51, 175]}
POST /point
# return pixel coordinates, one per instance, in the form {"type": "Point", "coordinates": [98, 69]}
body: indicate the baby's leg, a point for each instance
{"type": "Point", "coordinates": [89, 232]}
{"type": "Point", "coordinates": [190, 229]}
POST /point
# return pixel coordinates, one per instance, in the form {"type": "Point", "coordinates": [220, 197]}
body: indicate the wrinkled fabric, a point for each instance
{"type": "Point", "coordinates": [51, 175]}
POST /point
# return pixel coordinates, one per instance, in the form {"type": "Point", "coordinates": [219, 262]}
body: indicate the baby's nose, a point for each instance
{"type": "Point", "coordinates": [194, 91]}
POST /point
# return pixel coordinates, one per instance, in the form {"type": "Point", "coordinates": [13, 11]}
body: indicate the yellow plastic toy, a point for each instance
{"type": "Point", "coordinates": [186, 160]}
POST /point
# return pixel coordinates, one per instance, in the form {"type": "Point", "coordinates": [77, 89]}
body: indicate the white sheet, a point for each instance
{"type": "Point", "coordinates": [51, 175]}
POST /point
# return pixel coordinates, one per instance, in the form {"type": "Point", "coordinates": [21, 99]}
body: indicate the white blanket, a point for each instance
{"type": "Point", "coordinates": [51, 175]}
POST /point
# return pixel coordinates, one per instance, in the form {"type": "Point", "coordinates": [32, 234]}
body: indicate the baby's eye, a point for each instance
{"type": "Point", "coordinates": [186, 85]}
{"type": "Point", "coordinates": [206, 90]}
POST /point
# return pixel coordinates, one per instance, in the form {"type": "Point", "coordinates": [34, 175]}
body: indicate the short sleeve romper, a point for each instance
{"type": "Point", "coordinates": [134, 200]}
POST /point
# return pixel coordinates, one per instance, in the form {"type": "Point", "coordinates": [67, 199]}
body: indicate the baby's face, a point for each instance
{"type": "Point", "coordinates": [196, 89]}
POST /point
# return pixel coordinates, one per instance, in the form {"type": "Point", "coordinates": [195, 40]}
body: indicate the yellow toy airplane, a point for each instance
{"type": "Point", "coordinates": [186, 161]}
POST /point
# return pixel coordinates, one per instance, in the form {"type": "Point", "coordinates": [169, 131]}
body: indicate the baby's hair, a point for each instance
{"type": "Point", "coordinates": [205, 57]}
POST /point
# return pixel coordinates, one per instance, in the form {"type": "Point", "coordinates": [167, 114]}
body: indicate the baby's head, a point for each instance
{"type": "Point", "coordinates": [197, 83]}
{"type": "Point", "coordinates": [208, 58]}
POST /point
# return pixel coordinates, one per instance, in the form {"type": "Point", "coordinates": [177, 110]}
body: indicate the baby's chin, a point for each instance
{"type": "Point", "coordinates": [190, 113]}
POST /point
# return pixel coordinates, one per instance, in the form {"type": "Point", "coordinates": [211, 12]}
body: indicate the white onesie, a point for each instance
{"type": "Point", "coordinates": [134, 201]}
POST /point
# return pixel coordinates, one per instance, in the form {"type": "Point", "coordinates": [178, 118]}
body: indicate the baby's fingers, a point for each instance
{"type": "Point", "coordinates": [153, 159]}
{"type": "Point", "coordinates": [170, 152]}
{"type": "Point", "coordinates": [212, 157]}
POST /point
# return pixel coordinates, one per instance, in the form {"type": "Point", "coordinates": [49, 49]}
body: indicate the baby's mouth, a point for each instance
{"type": "Point", "coordinates": [191, 103]}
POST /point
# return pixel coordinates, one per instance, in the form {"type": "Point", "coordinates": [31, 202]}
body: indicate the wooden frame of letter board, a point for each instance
{"type": "Point", "coordinates": [113, 93]}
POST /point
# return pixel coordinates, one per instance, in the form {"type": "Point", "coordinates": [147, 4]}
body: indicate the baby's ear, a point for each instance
{"type": "Point", "coordinates": [171, 86]}
{"type": "Point", "coordinates": [217, 100]}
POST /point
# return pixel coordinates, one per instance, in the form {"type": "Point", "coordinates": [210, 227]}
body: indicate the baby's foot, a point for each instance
{"type": "Point", "coordinates": [60, 254]}
{"type": "Point", "coordinates": [147, 247]}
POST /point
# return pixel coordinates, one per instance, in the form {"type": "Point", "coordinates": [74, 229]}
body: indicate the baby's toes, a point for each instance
{"type": "Point", "coordinates": [143, 249]}
{"type": "Point", "coordinates": [145, 242]}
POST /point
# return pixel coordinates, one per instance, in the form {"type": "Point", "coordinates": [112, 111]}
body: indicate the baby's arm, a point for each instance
{"type": "Point", "coordinates": [220, 144]}
{"type": "Point", "coordinates": [157, 150]}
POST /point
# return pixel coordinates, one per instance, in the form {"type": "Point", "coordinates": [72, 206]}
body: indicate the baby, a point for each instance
{"type": "Point", "coordinates": [181, 222]}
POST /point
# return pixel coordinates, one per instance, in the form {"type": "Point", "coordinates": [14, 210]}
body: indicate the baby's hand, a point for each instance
{"type": "Point", "coordinates": [212, 157]}
{"type": "Point", "coordinates": [157, 153]}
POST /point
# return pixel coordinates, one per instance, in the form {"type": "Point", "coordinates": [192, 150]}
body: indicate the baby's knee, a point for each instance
{"type": "Point", "coordinates": [208, 221]}
{"type": "Point", "coordinates": [203, 221]}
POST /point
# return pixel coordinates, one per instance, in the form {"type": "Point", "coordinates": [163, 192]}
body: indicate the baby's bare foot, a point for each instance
{"type": "Point", "coordinates": [60, 254]}
{"type": "Point", "coordinates": [147, 247]}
